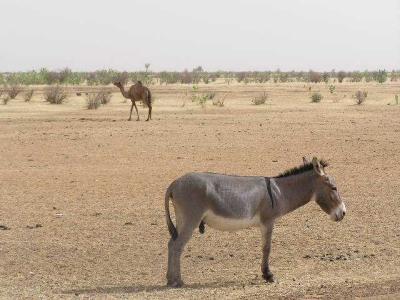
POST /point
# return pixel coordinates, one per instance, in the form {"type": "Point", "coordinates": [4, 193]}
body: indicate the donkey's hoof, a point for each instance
{"type": "Point", "coordinates": [269, 277]}
{"type": "Point", "coordinates": [175, 283]}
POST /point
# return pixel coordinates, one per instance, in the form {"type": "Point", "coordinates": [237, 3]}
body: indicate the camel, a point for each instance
{"type": "Point", "coordinates": [137, 92]}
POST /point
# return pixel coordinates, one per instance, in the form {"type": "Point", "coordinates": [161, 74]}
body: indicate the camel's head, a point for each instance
{"type": "Point", "coordinates": [118, 84]}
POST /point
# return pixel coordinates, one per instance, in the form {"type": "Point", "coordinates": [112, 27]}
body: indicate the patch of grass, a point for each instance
{"type": "Point", "coordinates": [260, 99]}
{"type": "Point", "coordinates": [13, 91]}
{"type": "Point", "coordinates": [360, 97]}
{"type": "Point", "coordinates": [28, 95]}
{"type": "Point", "coordinates": [93, 101]}
{"type": "Point", "coordinates": [55, 94]}
{"type": "Point", "coordinates": [396, 99]}
{"type": "Point", "coordinates": [316, 97]}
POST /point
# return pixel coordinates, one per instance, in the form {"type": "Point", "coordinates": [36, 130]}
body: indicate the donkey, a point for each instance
{"type": "Point", "coordinates": [232, 203]}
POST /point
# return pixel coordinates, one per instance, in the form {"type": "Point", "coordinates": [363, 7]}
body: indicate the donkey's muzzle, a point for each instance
{"type": "Point", "coordinates": [338, 213]}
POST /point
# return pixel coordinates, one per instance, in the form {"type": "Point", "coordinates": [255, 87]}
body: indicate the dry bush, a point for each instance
{"type": "Point", "coordinates": [93, 101]}
{"type": "Point", "coordinates": [219, 101]}
{"type": "Point", "coordinates": [260, 99]}
{"type": "Point", "coordinates": [13, 91]}
{"type": "Point", "coordinates": [316, 98]}
{"type": "Point", "coordinates": [105, 96]}
{"type": "Point", "coordinates": [28, 95]}
{"type": "Point", "coordinates": [6, 99]}
{"type": "Point", "coordinates": [55, 94]}
{"type": "Point", "coordinates": [360, 97]}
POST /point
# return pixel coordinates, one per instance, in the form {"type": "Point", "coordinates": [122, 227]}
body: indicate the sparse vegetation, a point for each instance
{"type": "Point", "coordinates": [93, 101]}
{"type": "Point", "coordinates": [197, 75]}
{"type": "Point", "coordinates": [55, 94]}
{"type": "Point", "coordinates": [360, 97]}
{"type": "Point", "coordinates": [28, 95]}
{"type": "Point", "coordinates": [260, 99]}
{"type": "Point", "coordinates": [396, 99]}
{"type": "Point", "coordinates": [332, 88]}
{"type": "Point", "coordinates": [316, 97]}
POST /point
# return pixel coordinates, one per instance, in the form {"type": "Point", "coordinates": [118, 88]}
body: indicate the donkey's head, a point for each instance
{"type": "Point", "coordinates": [326, 192]}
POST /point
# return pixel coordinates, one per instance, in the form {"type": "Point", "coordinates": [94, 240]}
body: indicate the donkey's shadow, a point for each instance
{"type": "Point", "coordinates": [149, 288]}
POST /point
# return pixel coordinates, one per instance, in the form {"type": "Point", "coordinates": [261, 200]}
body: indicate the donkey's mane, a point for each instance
{"type": "Point", "coordinates": [301, 169]}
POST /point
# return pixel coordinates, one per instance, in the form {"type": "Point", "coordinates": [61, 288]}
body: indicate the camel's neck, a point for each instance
{"type": "Point", "coordinates": [295, 191]}
{"type": "Point", "coordinates": [123, 92]}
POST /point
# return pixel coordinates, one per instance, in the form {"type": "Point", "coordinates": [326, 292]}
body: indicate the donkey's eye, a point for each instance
{"type": "Point", "coordinates": [334, 188]}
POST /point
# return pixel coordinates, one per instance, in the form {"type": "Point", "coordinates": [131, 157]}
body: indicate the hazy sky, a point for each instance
{"type": "Point", "coordinates": [216, 34]}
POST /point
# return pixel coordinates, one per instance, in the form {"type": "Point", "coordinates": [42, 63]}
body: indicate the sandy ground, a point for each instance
{"type": "Point", "coordinates": [82, 195]}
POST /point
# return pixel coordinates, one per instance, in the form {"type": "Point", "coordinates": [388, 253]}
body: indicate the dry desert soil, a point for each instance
{"type": "Point", "coordinates": [82, 194]}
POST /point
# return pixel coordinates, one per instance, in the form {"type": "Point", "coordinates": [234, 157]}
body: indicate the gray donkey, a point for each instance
{"type": "Point", "coordinates": [235, 202]}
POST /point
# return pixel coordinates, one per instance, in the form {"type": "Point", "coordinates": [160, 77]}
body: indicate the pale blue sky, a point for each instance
{"type": "Point", "coordinates": [216, 34]}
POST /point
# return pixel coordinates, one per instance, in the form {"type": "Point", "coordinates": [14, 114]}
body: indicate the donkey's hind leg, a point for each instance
{"type": "Point", "coordinates": [185, 229]}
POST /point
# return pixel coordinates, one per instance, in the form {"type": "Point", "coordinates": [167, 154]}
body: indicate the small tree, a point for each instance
{"type": "Point", "coordinates": [147, 66]}
{"type": "Point", "coordinates": [314, 77]}
{"type": "Point", "coordinates": [360, 96]}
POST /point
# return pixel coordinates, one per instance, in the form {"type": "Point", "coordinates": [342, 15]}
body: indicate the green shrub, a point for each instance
{"type": "Point", "coordinates": [332, 88]}
{"type": "Point", "coordinates": [316, 97]}
{"type": "Point", "coordinates": [380, 76]}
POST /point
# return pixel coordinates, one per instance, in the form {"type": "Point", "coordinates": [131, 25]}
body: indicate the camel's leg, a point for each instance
{"type": "Point", "coordinates": [137, 112]}
{"type": "Point", "coordinates": [130, 114]}
{"type": "Point", "coordinates": [149, 115]}
{"type": "Point", "coordinates": [266, 231]}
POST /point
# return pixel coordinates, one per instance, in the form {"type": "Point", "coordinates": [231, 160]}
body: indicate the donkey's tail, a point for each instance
{"type": "Point", "coordinates": [171, 228]}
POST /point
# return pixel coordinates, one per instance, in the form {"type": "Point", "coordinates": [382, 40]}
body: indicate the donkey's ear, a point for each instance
{"type": "Point", "coordinates": [317, 167]}
{"type": "Point", "coordinates": [305, 160]}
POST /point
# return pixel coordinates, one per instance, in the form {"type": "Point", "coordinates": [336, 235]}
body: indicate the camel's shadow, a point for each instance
{"type": "Point", "coordinates": [148, 288]}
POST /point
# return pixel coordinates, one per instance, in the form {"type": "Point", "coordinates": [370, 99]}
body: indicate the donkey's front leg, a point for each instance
{"type": "Point", "coordinates": [266, 231]}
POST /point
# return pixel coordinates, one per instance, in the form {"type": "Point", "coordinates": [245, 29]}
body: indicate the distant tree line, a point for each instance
{"type": "Point", "coordinates": [195, 76]}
